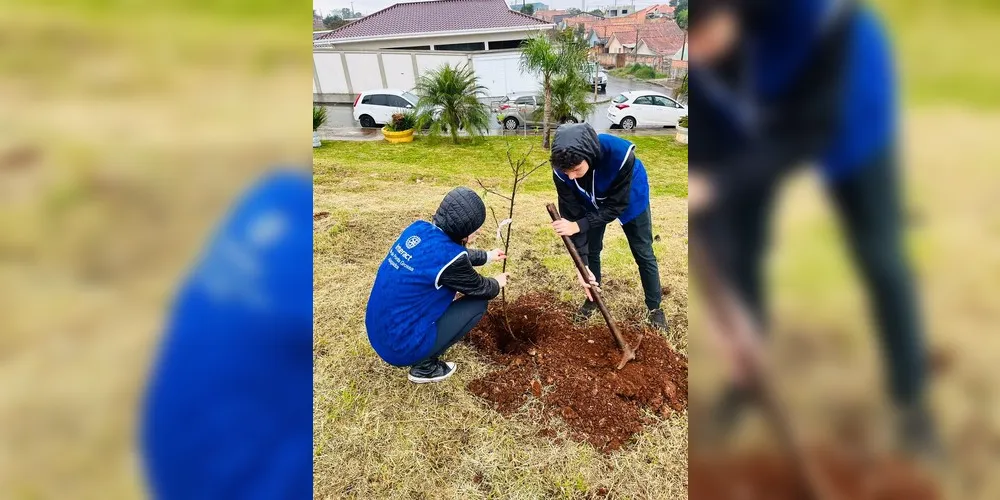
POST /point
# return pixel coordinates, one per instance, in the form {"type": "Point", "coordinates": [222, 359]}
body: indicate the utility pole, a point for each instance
{"type": "Point", "coordinates": [597, 75]}
{"type": "Point", "coordinates": [635, 48]}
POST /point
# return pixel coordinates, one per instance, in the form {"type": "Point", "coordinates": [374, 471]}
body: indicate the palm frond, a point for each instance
{"type": "Point", "coordinates": [450, 100]}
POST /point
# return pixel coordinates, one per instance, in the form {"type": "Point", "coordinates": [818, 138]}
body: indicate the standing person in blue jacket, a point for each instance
{"type": "Point", "coordinates": [412, 315]}
{"type": "Point", "coordinates": [599, 179]}
{"type": "Point", "coordinates": [780, 83]}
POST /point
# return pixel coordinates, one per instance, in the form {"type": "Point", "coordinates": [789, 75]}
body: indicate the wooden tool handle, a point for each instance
{"type": "Point", "coordinates": [582, 269]}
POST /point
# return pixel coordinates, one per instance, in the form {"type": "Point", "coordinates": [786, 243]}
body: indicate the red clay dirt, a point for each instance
{"type": "Point", "coordinates": [571, 369]}
{"type": "Point", "coordinates": [761, 475]}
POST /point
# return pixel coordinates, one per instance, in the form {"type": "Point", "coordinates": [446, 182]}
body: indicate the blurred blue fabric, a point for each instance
{"type": "Point", "coordinates": [228, 410]}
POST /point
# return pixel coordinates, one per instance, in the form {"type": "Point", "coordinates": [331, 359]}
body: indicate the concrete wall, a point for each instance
{"type": "Point", "coordinates": [340, 75]}
{"type": "Point", "coordinates": [661, 63]}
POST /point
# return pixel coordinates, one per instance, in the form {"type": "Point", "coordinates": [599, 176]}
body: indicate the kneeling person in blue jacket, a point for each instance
{"type": "Point", "coordinates": [599, 179]}
{"type": "Point", "coordinates": [412, 316]}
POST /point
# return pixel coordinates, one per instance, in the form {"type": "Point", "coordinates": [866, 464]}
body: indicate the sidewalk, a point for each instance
{"type": "Point", "coordinates": [371, 134]}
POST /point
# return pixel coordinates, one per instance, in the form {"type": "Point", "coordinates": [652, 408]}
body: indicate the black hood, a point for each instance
{"type": "Point", "coordinates": [578, 138]}
{"type": "Point", "coordinates": [461, 212]}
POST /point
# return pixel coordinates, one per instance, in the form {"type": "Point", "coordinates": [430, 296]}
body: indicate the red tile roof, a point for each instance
{"type": "Point", "coordinates": [548, 15]}
{"type": "Point", "coordinates": [435, 15]}
{"type": "Point", "coordinates": [663, 45]}
{"type": "Point", "coordinates": [628, 31]}
{"type": "Point", "coordinates": [656, 9]}
{"type": "Point", "coordinates": [663, 38]}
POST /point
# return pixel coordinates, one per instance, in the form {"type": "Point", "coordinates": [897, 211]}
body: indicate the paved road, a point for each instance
{"type": "Point", "coordinates": [340, 116]}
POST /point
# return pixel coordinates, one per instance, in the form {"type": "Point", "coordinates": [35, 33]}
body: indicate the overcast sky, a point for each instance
{"type": "Point", "coordinates": [369, 6]}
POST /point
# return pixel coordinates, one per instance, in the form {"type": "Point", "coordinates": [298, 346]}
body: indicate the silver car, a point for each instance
{"type": "Point", "coordinates": [524, 111]}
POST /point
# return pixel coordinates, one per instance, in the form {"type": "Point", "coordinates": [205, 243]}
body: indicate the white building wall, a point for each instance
{"type": "Point", "coordinates": [498, 71]}
{"type": "Point", "coordinates": [615, 47]}
{"type": "Point", "coordinates": [432, 61]}
{"type": "Point", "coordinates": [330, 73]}
{"type": "Point", "coordinates": [364, 70]}
{"type": "Point", "coordinates": [398, 70]}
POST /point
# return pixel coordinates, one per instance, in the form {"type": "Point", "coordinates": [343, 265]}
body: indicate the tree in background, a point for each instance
{"type": "Point", "coordinates": [570, 98]}
{"type": "Point", "coordinates": [574, 12]}
{"type": "Point", "coordinates": [539, 55]}
{"type": "Point", "coordinates": [528, 9]}
{"type": "Point", "coordinates": [333, 22]}
{"type": "Point", "coordinates": [564, 54]}
{"type": "Point", "coordinates": [449, 100]}
{"type": "Point", "coordinates": [346, 13]}
{"type": "Point", "coordinates": [681, 13]}
{"type": "Point", "coordinates": [597, 12]}
{"type": "Point", "coordinates": [681, 93]}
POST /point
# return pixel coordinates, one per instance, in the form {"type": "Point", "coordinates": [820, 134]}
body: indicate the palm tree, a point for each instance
{"type": "Point", "coordinates": [570, 98]}
{"type": "Point", "coordinates": [539, 55]}
{"type": "Point", "coordinates": [449, 100]}
{"type": "Point", "coordinates": [566, 55]}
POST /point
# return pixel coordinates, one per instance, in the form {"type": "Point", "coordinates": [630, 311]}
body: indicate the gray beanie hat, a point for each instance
{"type": "Point", "coordinates": [461, 213]}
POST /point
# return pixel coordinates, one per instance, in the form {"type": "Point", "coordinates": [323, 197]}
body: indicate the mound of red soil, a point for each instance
{"type": "Point", "coordinates": [571, 369]}
{"type": "Point", "coordinates": [763, 475]}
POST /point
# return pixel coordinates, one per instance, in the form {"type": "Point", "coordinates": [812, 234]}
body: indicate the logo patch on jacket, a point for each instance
{"type": "Point", "coordinates": [412, 241]}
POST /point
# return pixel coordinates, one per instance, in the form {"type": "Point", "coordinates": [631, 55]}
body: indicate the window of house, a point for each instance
{"type": "Point", "coordinates": [416, 47]}
{"type": "Point", "coordinates": [465, 47]}
{"type": "Point", "coordinates": [505, 44]}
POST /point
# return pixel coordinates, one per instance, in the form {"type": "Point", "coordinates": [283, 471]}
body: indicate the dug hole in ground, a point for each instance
{"type": "Point", "coordinates": [572, 371]}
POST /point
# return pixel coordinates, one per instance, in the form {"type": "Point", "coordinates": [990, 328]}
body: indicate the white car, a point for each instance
{"type": "Point", "coordinates": [376, 107]}
{"type": "Point", "coordinates": [643, 108]}
{"type": "Point", "coordinates": [602, 79]}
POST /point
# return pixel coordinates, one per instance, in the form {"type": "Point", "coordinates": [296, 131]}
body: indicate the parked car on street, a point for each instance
{"type": "Point", "coordinates": [643, 108]}
{"type": "Point", "coordinates": [376, 107]}
{"type": "Point", "coordinates": [602, 78]}
{"type": "Point", "coordinates": [516, 112]}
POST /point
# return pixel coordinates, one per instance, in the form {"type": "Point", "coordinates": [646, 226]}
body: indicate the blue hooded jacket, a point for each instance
{"type": "Point", "coordinates": [228, 409]}
{"type": "Point", "coordinates": [817, 77]}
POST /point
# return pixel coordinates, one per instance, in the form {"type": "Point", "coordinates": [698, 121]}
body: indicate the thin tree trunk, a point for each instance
{"type": "Point", "coordinates": [548, 109]}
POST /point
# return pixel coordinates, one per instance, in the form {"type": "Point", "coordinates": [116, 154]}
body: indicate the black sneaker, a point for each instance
{"type": "Point", "coordinates": [723, 416]}
{"type": "Point", "coordinates": [432, 370]}
{"type": "Point", "coordinates": [585, 311]}
{"type": "Point", "coordinates": [658, 319]}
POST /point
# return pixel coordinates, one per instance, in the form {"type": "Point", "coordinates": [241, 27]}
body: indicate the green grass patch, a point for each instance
{"type": "Point", "coordinates": [438, 161]}
{"type": "Point", "coordinates": [640, 71]}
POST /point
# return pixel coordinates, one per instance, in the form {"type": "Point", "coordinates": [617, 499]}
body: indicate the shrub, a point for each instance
{"type": "Point", "coordinates": [401, 122]}
{"type": "Point", "coordinates": [319, 117]}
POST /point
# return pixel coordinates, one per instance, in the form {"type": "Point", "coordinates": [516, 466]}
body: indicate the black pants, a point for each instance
{"type": "Point", "coordinates": [458, 320]}
{"type": "Point", "coordinates": [639, 232]}
{"type": "Point", "coordinates": [869, 210]}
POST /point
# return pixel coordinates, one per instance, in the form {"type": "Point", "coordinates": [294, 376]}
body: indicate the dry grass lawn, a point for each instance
{"type": "Point", "coordinates": [378, 436]}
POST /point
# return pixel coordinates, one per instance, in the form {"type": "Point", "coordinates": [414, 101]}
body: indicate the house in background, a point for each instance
{"type": "Point", "coordinates": [392, 48]}
{"type": "Point", "coordinates": [618, 10]}
{"type": "Point", "coordinates": [548, 15]}
{"type": "Point", "coordinates": [318, 22]}
{"type": "Point", "coordinates": [446, 25]}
